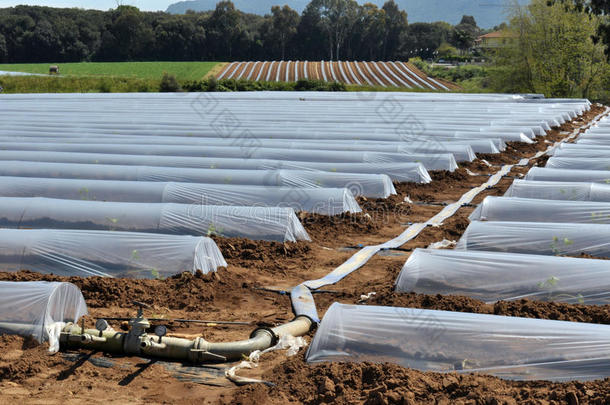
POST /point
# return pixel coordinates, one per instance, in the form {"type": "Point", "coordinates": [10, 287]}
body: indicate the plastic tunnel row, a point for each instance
{"type": "Point", "coordinates": [326, 201]}
{"type": "Point", "coordinates": [266, 223]}
{"type": "Point", "coordinates": [136, 184]}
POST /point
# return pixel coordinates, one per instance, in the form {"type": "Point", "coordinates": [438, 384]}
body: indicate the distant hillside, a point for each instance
{"type": "Point", "coordinates": [487, 13]}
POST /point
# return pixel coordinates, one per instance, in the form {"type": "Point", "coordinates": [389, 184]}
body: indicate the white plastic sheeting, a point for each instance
{"type": "Point", "coordinates": [579, 163]}
{"type": "Point", "coordinates": [508, 347]}
{"type": "Point", "coordinates": [410, 171]}
{"type": "Point", "coordinates": [259, 223]}
{"type": "Point", "coordinates": [535, 210]}
{"type": "Point", "coordinates": [494, 276]}
{"type": "Point", "coordinates": [581, 150]}
{"type": "Point", "coordinates": [542, 238]}
{"type": "Point", "coordinates": [551, 174]}
{"type": "Point", "coordinates": [367, 185]}
{"type": "Point", "coordinates": [39, 309]}
{"type": "Point", "coordinates": [106, 253]}
{"type": "Point", "coordinates": [462, 149]}
{"type": "Point", "coordinates": [246, 158]}
{"type": "Point", "coordinates": [325, 201]}
{"type": "Point", "coordinates": [558, 190]}
{"type": "Point", "coordinates": [291, 115]}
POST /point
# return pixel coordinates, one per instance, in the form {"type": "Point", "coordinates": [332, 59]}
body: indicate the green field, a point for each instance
{"type": "Point", "coordinates": [140, 70]}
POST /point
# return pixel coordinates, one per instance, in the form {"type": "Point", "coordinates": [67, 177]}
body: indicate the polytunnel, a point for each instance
{"type": "Point", "coordinates": [334, 132]}
{"type": "Point", "coordinates": [559, 190]}
{"type": "Point", "coordinates": [542, 238]}
{"type": "Point", "coordinates": [571, 175]}
{"type": "Point", "coordinates": [535, 210]}
{"type": "Point", "coordinates": [39, 309]}
{"type": "Point", "coordinates": [258, 223]}
{"type": "Point", "coordinates": [593, 142]}
{"type": "Point", "coordinates": [367, 185]}
{"type": "Point", "coordinates": [579, 163]}
{"type": "Point", "coordinates": [399, 171]}
{"type": "Point", "coordinates": [581, 150]}
{"type": "Point", "coordinates": [442, 341]}
{"type": "Point", "coordinates": [462, 150]}
{"type": "Point", "coordinates": [236, 158]}
{"type": "Point", "coordinates": [324, 201]}
{"type": "Point", "coordinates": [494, 276]}
{"type": "Point", "coordinates": [106, 253]}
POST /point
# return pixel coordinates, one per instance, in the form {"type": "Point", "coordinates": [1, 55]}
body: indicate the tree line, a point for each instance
{"type": "Point", "coordinates": [327, 29]}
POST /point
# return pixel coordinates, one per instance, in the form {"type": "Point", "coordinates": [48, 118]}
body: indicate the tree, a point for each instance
{"type": "Point", "coordinates": [593, 7]}
{"type": "Point", "coordinates": [337, 18]}
{"type": "Point", "coordinates": [3, 50]}
{"type": "Point", "coordinates": [224, 27]}
{"type": "Point", "coordinates": [464, 34]}
{"type": "Point", "coordinates": [372, 22]}
{"type": "Point", "coordinates": [284, 22]}
{"type": "Point", "coordinates": [128, 37]}
{"type": "Point", "coordinates": [395, 25]}
{"type": "Point", "coordinates": [552, 53]}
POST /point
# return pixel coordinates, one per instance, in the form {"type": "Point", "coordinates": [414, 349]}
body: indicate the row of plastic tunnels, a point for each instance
{"type": "Point", "coordinates": [134, 186]}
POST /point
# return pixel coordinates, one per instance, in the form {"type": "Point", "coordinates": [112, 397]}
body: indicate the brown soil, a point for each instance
{"type": "Point", "coordinates": [28, 374]}
{"type": "Point", "coordinates": [367, 383]}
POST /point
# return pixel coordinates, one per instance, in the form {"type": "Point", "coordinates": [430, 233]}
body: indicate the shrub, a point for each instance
{"type": "Point", "coordinates": [169, 84]}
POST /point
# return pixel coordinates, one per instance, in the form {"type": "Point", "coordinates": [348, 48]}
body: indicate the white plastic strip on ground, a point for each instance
{"type": "Point", "coordinates": [260, 72]}
{"type": "Point", "coordinates": [406, 75]}
{"type": "Point", "coordinates": [241, 74]}
{"type": "Point", "coordinates": [269, 71]}
{"type": "Point", "coordinates": [323, 71]}
{"type": "Point", "coordinates": [362, 74]}
{"type": "Point", "coordinates": [343, 75]}
{"type": "Point", "coordinates": [382, 73]}
{"type": "Point", "coordinates": [377, 79]}
{"type": "Point", "coordinates": [405, 84]}
{"type": "Point", "coordinates": [226, 70]}
{"type": "Point", "coordinates": [351, 71]}
{"type": "Point", "coordinates": [301, 297]}
{"type": "Point", "coordinates": [408, 71]}
{"type": "Point", "coordinates": [332, 71]}
{"type": "Point", "coordinates": [252, 71]}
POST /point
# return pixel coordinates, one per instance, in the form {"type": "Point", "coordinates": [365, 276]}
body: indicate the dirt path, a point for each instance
{"type": "Point", "coordinates": [27, 374]}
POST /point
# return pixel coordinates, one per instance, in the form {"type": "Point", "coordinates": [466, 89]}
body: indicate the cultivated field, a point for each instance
{"type": "Point", "coordinates": [243, 218]}
{"type": "Point", "coordinates": [382, 74]}
{"type": "Point", "coordinates": [141, 70]}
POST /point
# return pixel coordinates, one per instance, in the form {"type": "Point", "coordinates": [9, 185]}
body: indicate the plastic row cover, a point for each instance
{"type": "Point", "coordinates": [582, 151]}
{"type": "Point", "coordinates": [557, 190]}
{"type": "Point", "coordinates": [542, 238]}
{"type": "Point", "coordinates": [293, 130]}
{"type": "Point", "coordinates": [367, 185]}
{"type": "Point", "coordinates": [493, 276]}
{"type": "Point", "coordinates": [234, 158]}
{"type": "Point", "coordinates": [398, 171]}
{"type": "Point", "coordinates": [325, 201]}
{"type": "Point", "coordinates": [462, 149]}
{"type": "Point", "coordinates": [550, 174]}
{"type": "Point", "coordinates": [273, 223]}
{"type": "Point", "coordinates": [248, 148]}
{"type": "Point", "coordinates": [106, 253]}
{"type": "Point", "coordinates": [534, 210]}
{"type": "Point", "coordinates": [442, 341]}
{"type": "Point", "coordinates": [39, 309]}
{"type": "Point", "coordinates": [605, 142]}
{"type": "Point", "coordinates": [579, 163]}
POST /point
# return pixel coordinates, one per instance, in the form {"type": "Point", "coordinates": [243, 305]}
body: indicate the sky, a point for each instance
{"type": "Point", "coordinates": [145, 5]}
